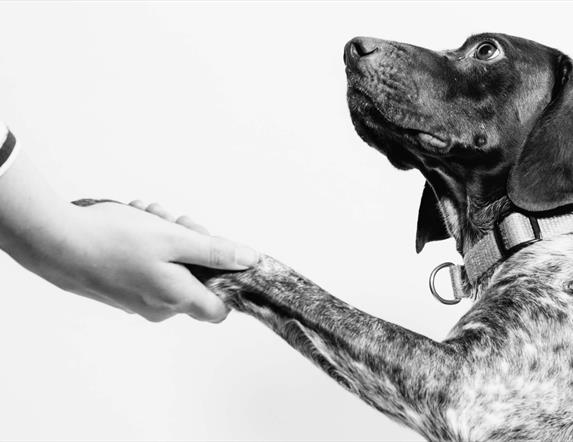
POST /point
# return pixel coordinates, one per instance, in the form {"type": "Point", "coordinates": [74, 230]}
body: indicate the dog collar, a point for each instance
{"type": "Point", "coordinates": [508, 236]}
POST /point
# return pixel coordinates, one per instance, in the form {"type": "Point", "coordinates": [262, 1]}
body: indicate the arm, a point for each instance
{"type": "Point", "coordinates": [401, 373]}
{"type": "Point", "coordinates": [110, 252]}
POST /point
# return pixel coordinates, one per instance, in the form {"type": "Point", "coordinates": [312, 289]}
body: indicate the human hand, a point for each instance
{"type": "Point", "coordinates": [111, 252]}
{"type": "Point", "coordinates": [127, 257]}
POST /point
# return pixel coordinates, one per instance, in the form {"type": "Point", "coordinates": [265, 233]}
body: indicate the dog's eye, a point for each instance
{"type": "Point", "coordinates": [486, 51]}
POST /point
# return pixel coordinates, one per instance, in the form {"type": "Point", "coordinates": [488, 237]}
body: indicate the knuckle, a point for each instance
{"type": "Point", "coordinates": [154, 206]}
{"type": "Point", "coordinates": [178, 306]}
{"type": "Point", "coordinates": [157, 316]}
{"type": "Point", "coordinates": [138, 204]}
{"type": "Point", "coordinates": [158, 307]}
{"type": "Point", "coordinates": [170, 301]}
{"type": "Point", "coordinates": [168, 305]}
{"type": "Point", "coordinates": [151, 317]}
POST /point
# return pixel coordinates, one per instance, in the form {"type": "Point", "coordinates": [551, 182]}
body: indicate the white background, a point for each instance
{"type": "Point", "coordinates": [234, 114]}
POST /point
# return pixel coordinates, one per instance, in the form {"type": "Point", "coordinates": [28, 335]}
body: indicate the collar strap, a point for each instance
{"type": "Point", "coordinates": [510, 235]}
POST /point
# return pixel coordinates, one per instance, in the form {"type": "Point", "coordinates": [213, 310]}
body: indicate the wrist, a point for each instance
{"type": "Point", "coordinates": [50, 245]}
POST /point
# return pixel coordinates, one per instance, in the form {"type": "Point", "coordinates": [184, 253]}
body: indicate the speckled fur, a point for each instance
{"type": "Point", "coordinates": [503, 373]}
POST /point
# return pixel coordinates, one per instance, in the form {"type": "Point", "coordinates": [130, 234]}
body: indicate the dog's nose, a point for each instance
{"type": "Point", "coordinates": [359, 48]}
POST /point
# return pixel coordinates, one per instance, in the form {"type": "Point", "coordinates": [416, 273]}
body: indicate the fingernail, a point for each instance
{"type": "Point", "coordinates": [246, 256]}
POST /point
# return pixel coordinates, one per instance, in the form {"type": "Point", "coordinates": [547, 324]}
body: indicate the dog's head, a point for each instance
{"type": "Point", "coordinates": [491, 119]}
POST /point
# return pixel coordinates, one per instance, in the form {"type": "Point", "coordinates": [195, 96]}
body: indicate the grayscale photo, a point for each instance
{"type": "Point", "coordinates": [208, 232]}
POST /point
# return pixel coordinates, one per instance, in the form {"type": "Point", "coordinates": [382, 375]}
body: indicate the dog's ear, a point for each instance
{"type": "Point", "coordinates": [542, 178]}
{"type": "Point", "coordinates": [431, 225]}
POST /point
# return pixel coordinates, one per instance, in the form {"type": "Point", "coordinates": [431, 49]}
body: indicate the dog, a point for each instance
{"type": "Point", "coordinates": [490, 127]}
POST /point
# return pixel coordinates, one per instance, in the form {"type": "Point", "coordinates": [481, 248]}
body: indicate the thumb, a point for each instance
{"type": "Point", "coordinates": [194, 298]}
{"type": "Point", "coordinates": [212, 251]}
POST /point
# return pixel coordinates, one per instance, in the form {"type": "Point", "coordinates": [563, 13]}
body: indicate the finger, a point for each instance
{"type": "Point", "coordinates": [154, 316]}
{"type": "Point", "coordinates": [138, 204]}
{"type": "Point", "coordinates": [213, 320]}
{"type": "Point", "coordinates": [187, 222]}
{"type": "Point", "coordinates": [194, 298]}
{"type": "Point", "coordinates": [212, 251]}
{"type": "Point", "coordinates": [160, 211]}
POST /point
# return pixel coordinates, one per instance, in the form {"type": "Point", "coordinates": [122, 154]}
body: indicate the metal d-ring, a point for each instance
{"type": "Point", "coordinates": [433, 287]}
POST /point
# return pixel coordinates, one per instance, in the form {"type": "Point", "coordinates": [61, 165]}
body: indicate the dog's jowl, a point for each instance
{"type": "Point", "coordinates": [490, 127]}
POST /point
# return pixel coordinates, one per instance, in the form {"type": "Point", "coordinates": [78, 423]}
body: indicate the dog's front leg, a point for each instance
{"type": "Point", "coordinates": [399, 372]}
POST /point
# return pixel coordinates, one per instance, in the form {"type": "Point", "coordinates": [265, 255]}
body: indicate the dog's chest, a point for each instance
{"type": "Point", "coordinates": [519, 384]}
{"type": "Point", "coordinates": [526, 395]}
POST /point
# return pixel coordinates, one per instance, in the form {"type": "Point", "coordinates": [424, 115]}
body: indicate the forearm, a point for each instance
{"type": "Point", "coordinates": [379, 361]}
{"type": "Point", "coordinates": [28, 204]}
{"type": "Point", "coordinates": [36, 224]}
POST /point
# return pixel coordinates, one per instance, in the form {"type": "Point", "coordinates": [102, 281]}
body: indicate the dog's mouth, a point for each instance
{"type": "Point", "coordinates": [365, 110]}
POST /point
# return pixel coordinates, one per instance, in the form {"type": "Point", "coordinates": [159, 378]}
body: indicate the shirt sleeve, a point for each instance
{"type": "Point", "coordinates": [8, 150]}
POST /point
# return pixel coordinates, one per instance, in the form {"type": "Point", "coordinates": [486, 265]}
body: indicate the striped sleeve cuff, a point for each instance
{"type": "Point", "coordinates": [8, 152]}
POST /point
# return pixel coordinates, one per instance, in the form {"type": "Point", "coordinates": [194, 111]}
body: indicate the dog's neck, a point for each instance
{"type": "Point", "coordinates": [471, 210]}
{"type": "Point", "coordinates": [479, 219]}
{"type": "Point", "coordinates": [468, 220]}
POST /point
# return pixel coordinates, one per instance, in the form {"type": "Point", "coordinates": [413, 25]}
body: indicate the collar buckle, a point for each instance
{"type": "Point", "coordinates": [505, 251]}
